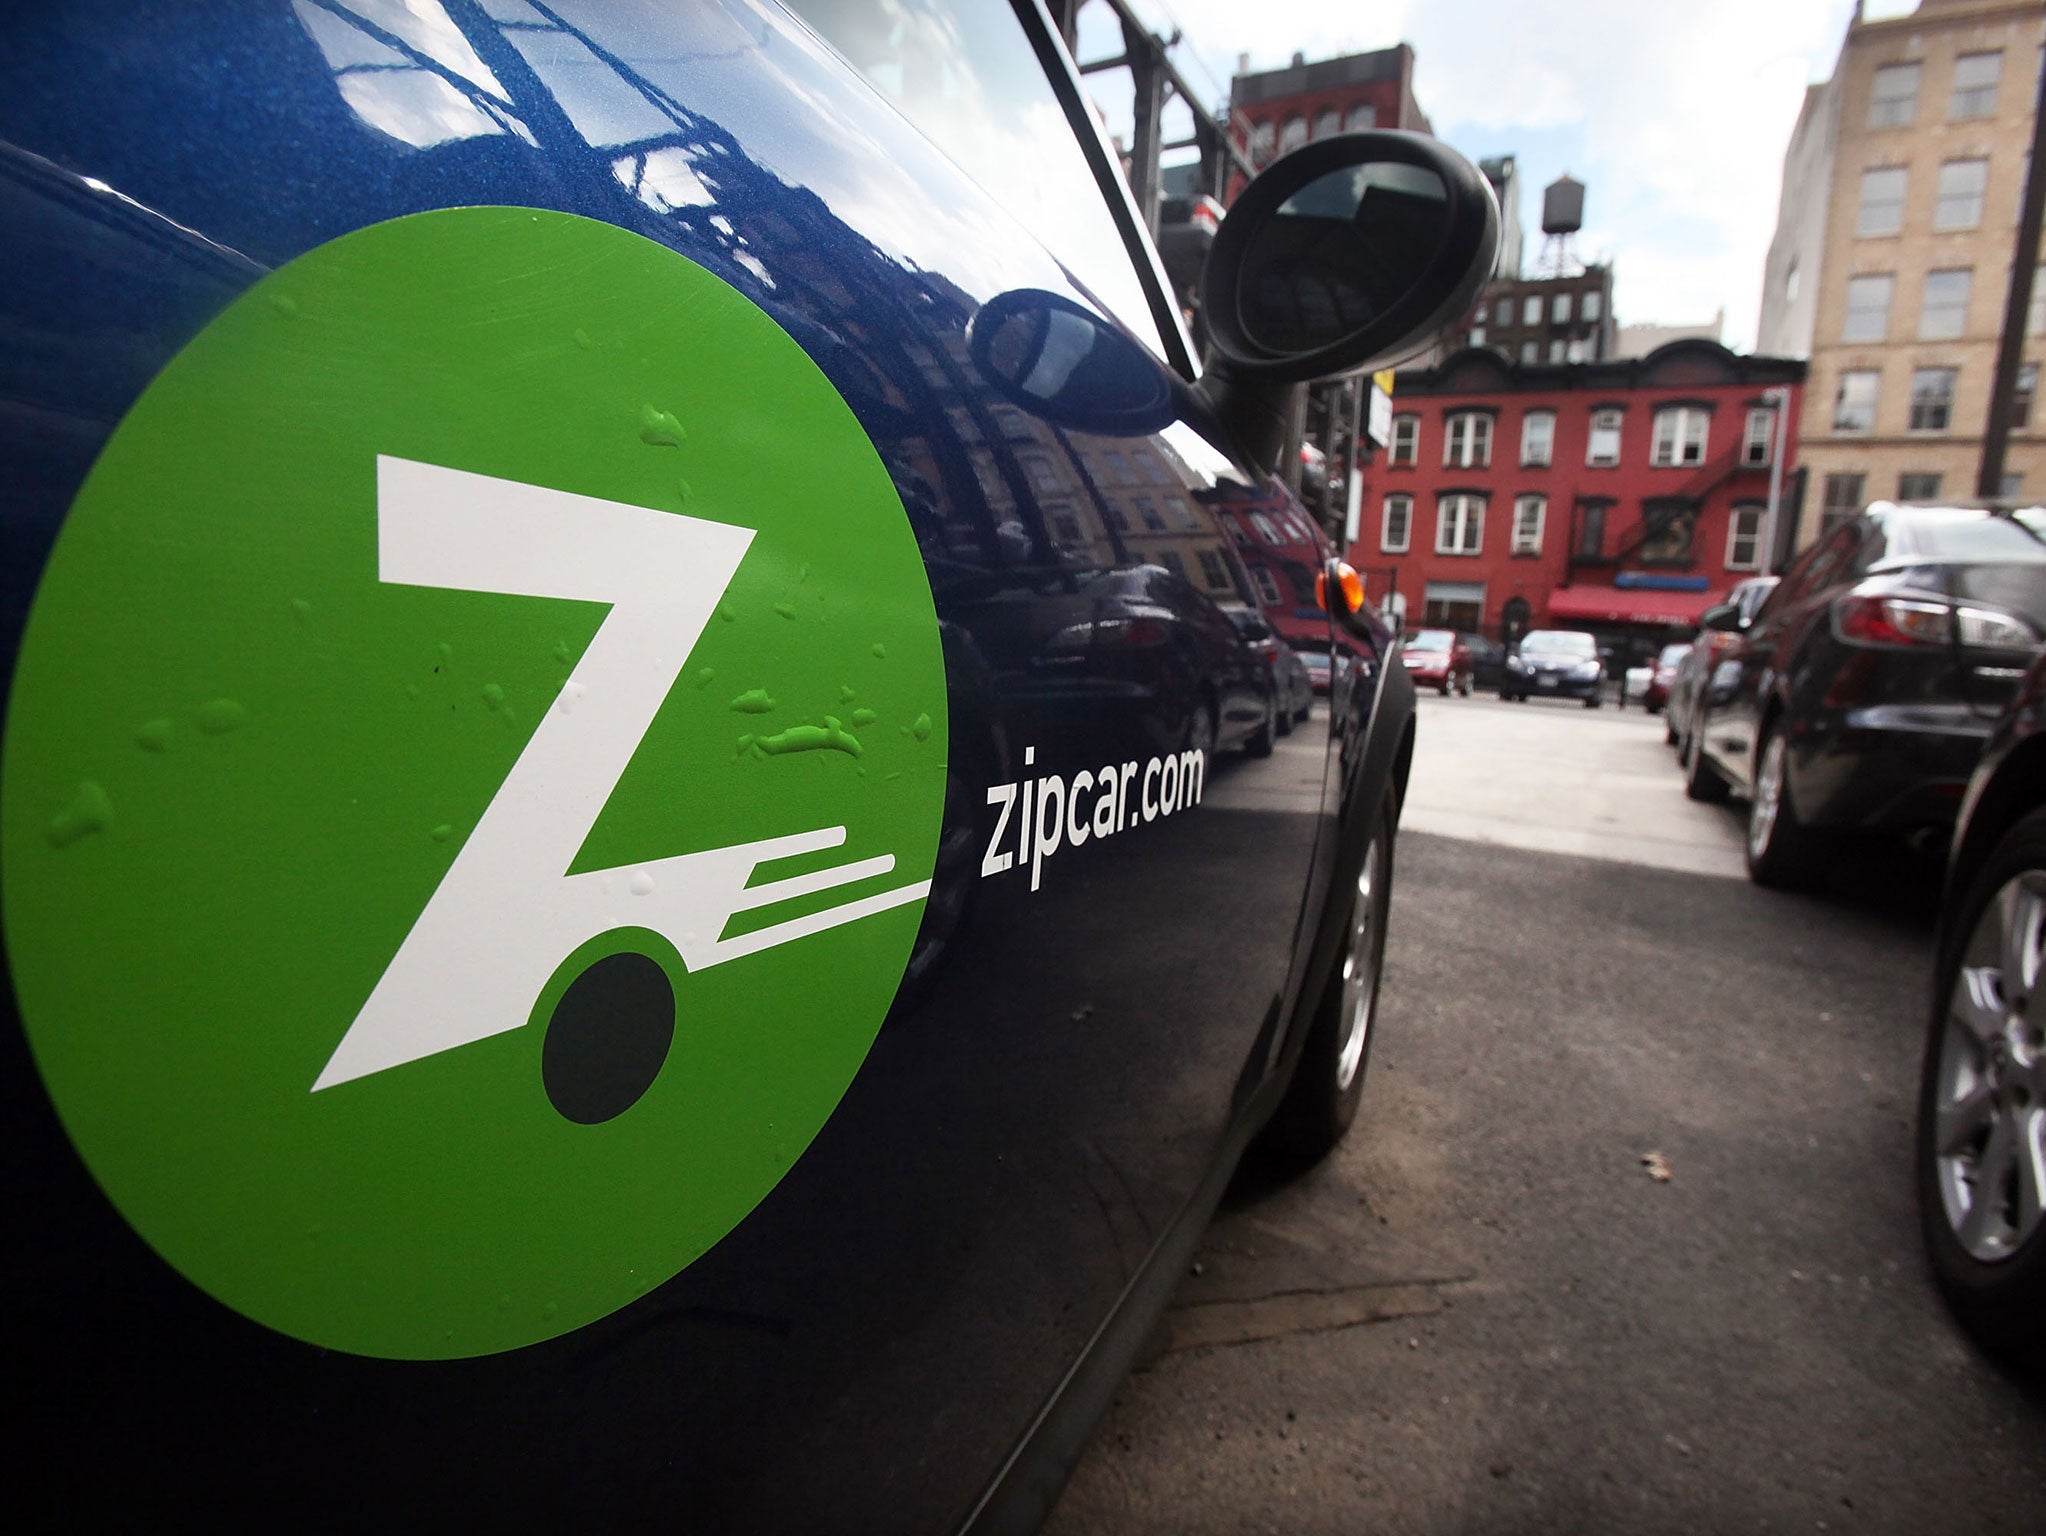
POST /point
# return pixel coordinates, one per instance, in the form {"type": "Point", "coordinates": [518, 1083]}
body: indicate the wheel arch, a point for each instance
{"type": "Point", "coordinates": [2016, 788]}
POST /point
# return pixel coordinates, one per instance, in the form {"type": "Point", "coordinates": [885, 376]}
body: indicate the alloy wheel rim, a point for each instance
{"type": "Point", "coordinates": [1767, 804]}
{"type": "Point", "coordinates": [1989, 1110]}
{"type": "Point", "coordinates": [1360, 974]}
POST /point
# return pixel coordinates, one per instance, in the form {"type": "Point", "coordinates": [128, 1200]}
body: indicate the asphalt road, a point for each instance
{"type": "Point", "coordinates": [1484, 1313]}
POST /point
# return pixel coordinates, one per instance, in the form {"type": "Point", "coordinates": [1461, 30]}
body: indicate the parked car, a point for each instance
{"type": "Point", "coordinates": [1663, 676]}
{"type": "Point", "coordinates": [619, 907]}
{"type": "Point", "coordinates": [1284, 694]}
{"type": "Point", "coordinates": [1438, 659]}
{"type": "Point", "coordinates": [1555, 663]}
{"type": "Point", "coordinates": [1981, 1158]}
{"type": "Point", "coordinates": [1859, 698]}
{"type": "Point", "coordinates": [1723, 625]}
{"type": "Point", "coordinates": [1488, 660]}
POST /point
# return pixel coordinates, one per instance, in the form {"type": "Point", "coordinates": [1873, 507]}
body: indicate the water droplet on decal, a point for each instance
{"type": "Point", "coordinates": [89, 811]}
{"type": "Point", "coordinates": [154, 735]}
{"type": "Point", "coordinates": [217, 717]}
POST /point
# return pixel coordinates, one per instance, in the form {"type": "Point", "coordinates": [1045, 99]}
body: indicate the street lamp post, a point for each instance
{"type": "Point", "coordinates": [1778, 396]}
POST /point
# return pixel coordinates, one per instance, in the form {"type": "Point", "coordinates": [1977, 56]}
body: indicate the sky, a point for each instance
{"type": "Point", "coordinates": [1675, 115]}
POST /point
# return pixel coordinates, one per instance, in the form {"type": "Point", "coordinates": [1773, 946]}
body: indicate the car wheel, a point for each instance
{"type": "Point", "coordinates": [1200, 729]}
{"type": "Point", "coordinates": [1321, 1101]}
{"type": "Point", "coordinates": [1702, 781]}
{"type": "Point", "coordinates": [1591, 701]}
{"type": "Point", "coordinates": [1260, 742]}
{"type": "Point", "coordinates": [1669, 732]}
{"type": "Point", "coordinates": [1783, 853]}
{"type": "Point", "coordinates": [1443, 687]}
{"type": "Point", "coordinates": [1982, 1103]}
{"type": "Point", "coordinates": [1465, 690]}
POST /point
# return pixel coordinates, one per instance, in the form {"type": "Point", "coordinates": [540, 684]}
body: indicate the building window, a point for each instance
{"type": "Point", "coordinates": [1868, 307]}
{"type": "Point", "coordinates": [1173, 561]}
{"type": "Point", "coordinates": [1961, 185]}
{"type": "Point", "coordinates": [1528, 512]}
{"type": "Point", "coordinates": [1975, 79]}
{"type": "Point", "coordinates": [1881, 211]}
{"type": "Point", "coordinates": [1148, 514]}
{"type": "Point", "coordinates": [1842, 499]}
{"type": "Point", "coordinates": [1467, 443]}
{"type": "Point", "coordinates": [1537, 439]}
{"type": "Point", "coordinates": [1556, 350]}
{"type": "Point", "coordinates": [1362, 117]}
{"type": "Point", "coordinates": [1396, 525]}
{"type": "Point", "coordinates": [1944, 314]}
{"type": "Point", "coordinates": [1932, 399]}
{"type": "Point", "coordinates": [1260, 143]}
{"type": "Point", "coordinates": [1477, 335]}
{"type": "Point", "coordinates": [1756, 434]}
{"type": "Point", "coordinates": [1744, 539]}
{"type": "Point", "coordinates": [1592, 306]}
{"type": "Point", "coordinates": [1917, 487]}
{"type": "Point", "coordinates": [2035, 312]}
{"type": "Point", "coordinates": [1559, 309]}
{"type": "Point", "coordinates": [1679, 435]}
{"type": "Point", "coordinates": [2021, 396]}
{"type": "Point", "coordinates": [1854, 406]}
{"type": "Point", "coordinates": [1406, 440]}
{"type": "Point", "coordinates": [1603, 451]}
{"type": "Point", "coordinates": [1292, 134]}
{"type": "Point", "coordinates": [1894, 100]}
{"type": "Point", "coordinates": [1327, 123]}
{"type": "Point", "coordinates": [1531, 310]}
{"type": "Point", "coordinates": [1459, 524]}
{"type": "Point", "coordinates": [1530, 351]}
{"type": "Point", "coordinates": [1591, 532]}
{"type": "Point", "coordinates": [1267, 586]}
{"type": "Point", "coordinates": [1577, 351]}
{"type": "Point", "coordinates": [2012, 485]}
{"type": "Point", "coordinates": [1670, 541]}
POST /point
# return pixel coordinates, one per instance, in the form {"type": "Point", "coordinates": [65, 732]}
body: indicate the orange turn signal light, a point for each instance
{"type": "Point", "coordinates": [1349, 585]}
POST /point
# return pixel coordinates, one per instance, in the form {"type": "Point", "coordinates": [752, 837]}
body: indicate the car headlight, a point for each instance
{"type": "Point", "coordinates": [1587, 669]}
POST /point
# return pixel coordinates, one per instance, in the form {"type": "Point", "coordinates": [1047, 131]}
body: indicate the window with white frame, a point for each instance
{"type": "Point", "coordinates": [1467, 440]}
{"type": "Point", "coordinates": [1976, 76]}
{"type": "Point", "coordinates": [1327, 123]}
{"type": "Point", "coordinates": [1559, 308]}
{"type": "Point", "coordinates": [1531, 309]}
{"type": "Point", "coordinates": [1537, 439]}
{"type": "Point", "coordinates": [1868, 307]}
{"type": "Point", "coordinates": [1459, 524]}
{"type": "Point", "coordinates": [1679, 435]}
{"type": "Point", "coordinates": [1406, 440]}
{"type": "Point", "coordinates": [1363, 117]}
{"type": "Point", "coordinates": [2035, 313]}
{"type": "Point", "coordinates": [1556, 350]}
{"type": "Point", "coordinates": [1744, 538]}
{"type": "Point", "coordinates": [1881, 210]}
{"type": "Point", "coordinates": [1932, 399]}
{"type": "Point", "coordinates": [1893, 99]}
{"type": "Point", "coordinates": [2021, 396]}
{"type": "Point", "coordinates": [1943, 315]}
{"type": "Point", "coordinates": [1962, 184]}
{"type": "Point", "coordinates": [1292, 134]}
{"type": "Point", "coordinates": [1593, 305]}
{"type": "Point", "coordinates": [1755, 436]}
{"type": "Point", "coordinates": [1528, 514]}
{"type": "Point", "coordinates": [1396, 525]}
{"type": "Point", "coordinates": [1261, 137]}
{"type": "Point", "coordinates": [1603, 449]}
{"type": "Point", "coordinates": [1854, 404]}
{"type": "Point", "coordinates": [1477, 335]}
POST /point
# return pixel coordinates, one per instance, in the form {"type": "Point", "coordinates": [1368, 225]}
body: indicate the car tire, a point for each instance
{"type": "Point", "coordinates": [1982, 1096]}
{"type": "Point", "coordinates": [1443, 689]}
{"type": "Point", "coordinates": [1328, 1083]}
{"type": "Point", "coordinates": [1669, 732]}
{"type": "Point", "coordinates": [1200, 729]}
{"type": "Point", "coordinates": [1783, 853]}
{"type": "Point", "coordinates": [1260, 742]}
{"type": "Point", "coordinates": [1702, 781]}
{"type": "Point", "coordinates": [1592, 701]}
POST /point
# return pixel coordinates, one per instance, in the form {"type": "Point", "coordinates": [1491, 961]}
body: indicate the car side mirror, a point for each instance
{"type": "Point", "coordinates": [1352, 252]}
{"type": "Point", "coordinates": [1338, 589]}
{"type": "Point", "coordinates": [1723, 617]}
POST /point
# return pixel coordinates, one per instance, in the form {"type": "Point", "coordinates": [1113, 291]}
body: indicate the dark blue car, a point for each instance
{"type": "Point", "coordinates": [643, 876]}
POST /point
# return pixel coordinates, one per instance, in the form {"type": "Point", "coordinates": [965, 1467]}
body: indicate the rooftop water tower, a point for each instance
{"type": "Point", "coordinates": [1562, 218]}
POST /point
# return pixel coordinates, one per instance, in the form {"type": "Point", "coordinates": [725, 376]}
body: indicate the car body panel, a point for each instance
{"type": "Point", "coordinates": [878, 1338]}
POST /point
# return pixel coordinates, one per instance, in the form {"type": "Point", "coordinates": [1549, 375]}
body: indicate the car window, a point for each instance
{"type": "Point", "coordinates": [1817, 568]}
{"type": "Point", "coordinates": [1429, 640]}
{"type": "Point", "coordinates": [964, 73]}
{"type": "Point", "coordinates": [1560, 642]}
{"type": "Point", "coordinates": [1963, 535]}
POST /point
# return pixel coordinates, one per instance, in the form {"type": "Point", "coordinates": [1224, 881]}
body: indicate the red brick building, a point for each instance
{"type": "Point", "coordinates": [1619, 497]}
{"type": "Point", "coordinates": [1277, 110]}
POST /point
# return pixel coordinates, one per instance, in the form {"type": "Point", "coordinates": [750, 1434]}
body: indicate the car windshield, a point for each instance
{"type": "Point", "coordinates": [1559, 642]}
{"type": "Point", "coordinates": [1430, 640]}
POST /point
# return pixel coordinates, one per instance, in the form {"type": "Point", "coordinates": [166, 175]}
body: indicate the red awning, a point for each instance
{"type": "Point", "coordinates": [1632, 605]}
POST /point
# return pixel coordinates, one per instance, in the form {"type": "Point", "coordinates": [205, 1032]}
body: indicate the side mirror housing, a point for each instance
{"type": "Point", "coordinates": [1338, 589]}
{"type": "Point", "coordinates": [1352, 252]}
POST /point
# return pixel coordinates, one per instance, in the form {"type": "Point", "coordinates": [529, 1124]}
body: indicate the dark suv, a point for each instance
{"type": "Point", "coordinates": [1860, 696]}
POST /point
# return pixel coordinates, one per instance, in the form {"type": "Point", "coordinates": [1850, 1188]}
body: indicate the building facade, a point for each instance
{"type": "Point", "coordinates": [1277, 110]}
{"type": "Point", "coordinates": [1561, 319]}
{"type": "Point", "coordinates": [1891, 263]}
{"type": "Point", "coordinates": [1622, 497]}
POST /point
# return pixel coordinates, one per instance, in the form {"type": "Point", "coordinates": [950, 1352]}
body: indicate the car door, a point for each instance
{"type": "Point", "coordinates": [917, 1146]}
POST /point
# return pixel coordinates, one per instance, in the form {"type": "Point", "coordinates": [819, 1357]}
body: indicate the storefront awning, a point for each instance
{"type": "Point", "coordinates": [1613, 606]}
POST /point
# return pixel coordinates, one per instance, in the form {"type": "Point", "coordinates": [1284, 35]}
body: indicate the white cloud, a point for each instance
{"type": "Point", "coordinates": [1675, 116]}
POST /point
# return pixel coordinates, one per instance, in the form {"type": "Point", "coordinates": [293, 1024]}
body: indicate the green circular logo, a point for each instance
{"type": "Point", "coordinates": [471, 782]}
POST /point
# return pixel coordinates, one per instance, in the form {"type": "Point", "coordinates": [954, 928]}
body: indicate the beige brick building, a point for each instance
{"type": "Point", "coordinates": [1892, 255]}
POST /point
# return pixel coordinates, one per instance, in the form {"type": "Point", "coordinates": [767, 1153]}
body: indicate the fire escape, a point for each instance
{"type": "Point", "coordinates": [1657, 513]}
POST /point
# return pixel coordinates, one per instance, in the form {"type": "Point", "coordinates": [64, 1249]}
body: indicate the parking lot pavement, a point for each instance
{"type": "Point", "coordinates": [1486, 1314]}
{"type": "Point", "coordinates": [1553, 776]}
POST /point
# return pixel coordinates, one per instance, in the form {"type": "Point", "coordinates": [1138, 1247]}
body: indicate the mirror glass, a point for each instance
{"type": "Point", "coordinates": [1339, 253]}
{"type": "Point", "coordinates": [1070, 367]}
